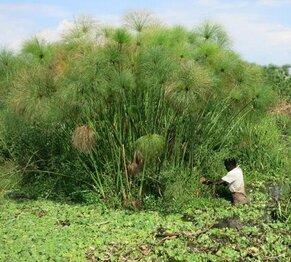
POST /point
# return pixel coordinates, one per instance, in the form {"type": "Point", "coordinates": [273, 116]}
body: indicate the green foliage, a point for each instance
{"type": "Point", "coordinates": [7, 63]}
{"type": "Point", "coordinates": [214, 33]}
{"type": "Point", "coordinates": [207, 230]}
{"type": "Point", "coordinates": [257, 143]}
{"type": "Point", "coordinates": [121, 36]}
{"type": "Point", "coordinates": [180, 188]}
{"type": "Point", "coordinates": [9, 177]}
{"type": "Point", "coordinates": [84, 31]}
{"type": "Point", "coordinates": [188, 87]}
{"type": "Point", "coordinates": [279, 77]}
{"type": "Point", "coordinates": [38, 50]}
{"type": "Point", "coordinates": [139, 20]}
{"type": "Point", "coordinates": [150, 146]}
{"type": "Point", "coordinates": [182, 98]}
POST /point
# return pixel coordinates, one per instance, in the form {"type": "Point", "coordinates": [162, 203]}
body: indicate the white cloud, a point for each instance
{"type": "Point", "coordinates": [258, 41]}
{"type": "Point", "coordinates": [54, 34]}
{"type": "Point", "coordinates": [45, 9]}
{"type": "Point", "coordinates": [274, 2]}
{"type": "Point", "coordinates": [114, 20]}
{"type": "Point", "coordinates": [13, 31]}
{"type": "Point", "coordinates": [277, 35]}
{"type": "Point", "coordinates": [221, 4]}
{"type": "Point", "coordinates": [18, 22]}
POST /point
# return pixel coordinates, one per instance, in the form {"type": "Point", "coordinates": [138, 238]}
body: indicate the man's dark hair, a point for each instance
{"type": "Point", "coordinates": [230, 163]}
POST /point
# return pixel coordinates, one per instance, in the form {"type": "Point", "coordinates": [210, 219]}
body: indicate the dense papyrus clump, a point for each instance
{"type": "Point", "coordinates": [188, 86]}
{"type": "Point", "coordinates": [135, 110]}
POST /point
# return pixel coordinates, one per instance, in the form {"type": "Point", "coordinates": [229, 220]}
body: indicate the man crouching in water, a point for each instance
{"type": "Point", "coordinates": [235, 181]}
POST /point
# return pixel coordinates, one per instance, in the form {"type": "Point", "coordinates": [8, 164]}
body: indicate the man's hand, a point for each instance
{"type": "Point", "coordinates": [205, 181]}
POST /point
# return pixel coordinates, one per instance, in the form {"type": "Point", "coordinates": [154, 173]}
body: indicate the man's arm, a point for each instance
{"type": "Point", "coordinates": [205, 181]}
{"type": "Point", "coordinates": [221, 182]}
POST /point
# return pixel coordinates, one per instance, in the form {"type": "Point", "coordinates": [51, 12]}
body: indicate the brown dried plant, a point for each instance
{"type": "Point", "coordinates": [17, 106]}
{"type": "Point", "coordinates": [136, 166]}
{"type": "Point", "coordinates": [58, 65]}
{"type": "Point", "coordinates": [84, 139]}
{"type": "Point", "coordinates": [281, 108]}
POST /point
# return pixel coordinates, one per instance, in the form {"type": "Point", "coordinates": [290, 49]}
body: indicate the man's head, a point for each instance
{"type": "Point", "coordinates": [230, 164]}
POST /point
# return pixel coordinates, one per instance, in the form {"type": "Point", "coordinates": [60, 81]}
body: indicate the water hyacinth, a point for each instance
{"type": "Point", "coordinates": [84, 139]}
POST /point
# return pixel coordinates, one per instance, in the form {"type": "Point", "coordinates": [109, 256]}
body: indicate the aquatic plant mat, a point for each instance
{"type": "Point", "coordinates": [48, 231]}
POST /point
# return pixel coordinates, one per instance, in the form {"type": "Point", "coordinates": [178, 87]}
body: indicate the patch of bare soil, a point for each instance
{"type": "Point", "coordinates": [283, 107]}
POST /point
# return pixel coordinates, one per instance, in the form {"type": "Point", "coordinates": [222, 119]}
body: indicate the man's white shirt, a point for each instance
{"type": "Point", "coordinates": [235, 180]}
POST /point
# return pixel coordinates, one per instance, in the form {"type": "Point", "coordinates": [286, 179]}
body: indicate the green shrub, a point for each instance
{"type": "Point", "coordinates": [279, 77]}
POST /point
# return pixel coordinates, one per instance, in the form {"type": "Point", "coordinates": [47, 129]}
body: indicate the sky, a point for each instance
{"type": "Point", "coordinates": [260, 29]}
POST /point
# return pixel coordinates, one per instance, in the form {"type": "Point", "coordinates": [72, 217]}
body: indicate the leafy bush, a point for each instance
{"type": "Point", "coordinates": [280, 78]}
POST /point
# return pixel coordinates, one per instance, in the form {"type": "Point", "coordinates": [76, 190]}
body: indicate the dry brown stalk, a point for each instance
{"type": "Point", "coordinates": [84, 139]}
{"type": "Point", "coordinates": [136, 166]}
